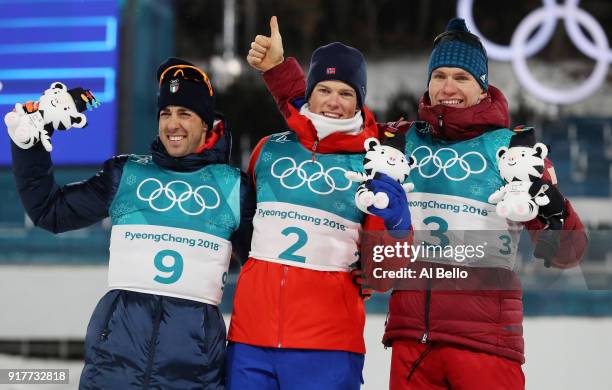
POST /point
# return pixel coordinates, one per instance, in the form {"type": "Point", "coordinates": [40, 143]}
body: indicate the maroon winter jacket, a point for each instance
{"type": "Point", "coordinates": [490, 320]}
{"type": "Point", "coordinates": [487, 320]}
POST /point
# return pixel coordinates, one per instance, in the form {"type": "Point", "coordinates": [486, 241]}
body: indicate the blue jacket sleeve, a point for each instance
{"type": "Point", "coordinates": [61, 208]}
{"type": "Point", "coordinates": [241, 239]}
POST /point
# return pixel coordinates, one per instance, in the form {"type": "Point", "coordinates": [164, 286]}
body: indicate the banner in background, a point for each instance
{"type": "Point", "coordinates": [72, 41]}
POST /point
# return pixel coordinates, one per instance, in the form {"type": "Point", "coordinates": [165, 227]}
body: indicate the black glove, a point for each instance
{"type": "Point", "coordinates": [556, 205]}
{"type": "Point", "coordinates": [553, 214]}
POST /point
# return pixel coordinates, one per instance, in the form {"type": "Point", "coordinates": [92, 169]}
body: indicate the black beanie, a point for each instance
{"type": "Point", "coordinates": [337, 61]}
{"type": "Point", "coordinates": [523, 138]}
{"type": "Point", "coordinates": [83, 99]}
{"type": "Point", "coordinates": [395, 140]}
{"type": "Point", "coordinates": [183, 84]}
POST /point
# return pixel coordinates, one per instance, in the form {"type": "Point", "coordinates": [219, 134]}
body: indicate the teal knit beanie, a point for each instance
{"type": "Point", "coordinates": [458, 48]}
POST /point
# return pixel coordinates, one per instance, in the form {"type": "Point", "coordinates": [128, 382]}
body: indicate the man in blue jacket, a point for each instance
{"type": "Point", "coordinates": [175, 214]}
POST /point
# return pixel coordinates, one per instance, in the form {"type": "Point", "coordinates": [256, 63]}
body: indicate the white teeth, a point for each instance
{"type": "Point", "coordinates": [450, 102]}
{"type": "Point", "coordinates": [176, 137]}
{"type": "Point", "coordinates": [331, 115]}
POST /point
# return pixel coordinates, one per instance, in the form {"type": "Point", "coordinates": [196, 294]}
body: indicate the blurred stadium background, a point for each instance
{"type": "Point", "coordinates": [50, 284]}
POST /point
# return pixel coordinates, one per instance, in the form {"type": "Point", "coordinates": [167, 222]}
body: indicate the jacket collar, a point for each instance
{"type": "Point", "coordinates": [218, 153]}
{"type": "Point", "coordinates": [455, 124]}
{"type": "Point", "coordinates": [334, 143]}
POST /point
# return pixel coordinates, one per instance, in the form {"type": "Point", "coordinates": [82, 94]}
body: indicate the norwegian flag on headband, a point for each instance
{"type": "Point", "coordinates": [331, 71]}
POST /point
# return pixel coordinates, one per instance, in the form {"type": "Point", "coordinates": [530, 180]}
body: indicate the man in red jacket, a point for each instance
{"type": "Point", "coordinates": [298, 319]}
{"type": "Point", "coordinates": [441, 337]}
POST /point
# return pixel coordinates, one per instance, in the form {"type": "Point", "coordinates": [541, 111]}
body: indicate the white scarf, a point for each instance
{"type": "Point", "coordinates": [326, 126]}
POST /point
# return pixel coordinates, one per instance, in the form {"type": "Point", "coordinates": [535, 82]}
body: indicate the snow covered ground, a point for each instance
{"type": "Point", "coordinates": [563, 353]}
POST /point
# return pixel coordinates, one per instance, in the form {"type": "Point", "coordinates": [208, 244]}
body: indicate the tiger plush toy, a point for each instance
{"type": "Point", "coordinates": [387, 158]}
{"type": "Point", "coordinates": [528, 195]}
{"type": "Point", "coordinates": [522, 166]}
{"type": "Point", "coordinates": [59, 108]}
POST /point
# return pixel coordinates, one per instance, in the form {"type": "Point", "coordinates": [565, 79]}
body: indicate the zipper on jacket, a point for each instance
{"type": "Point", "coordinates": [441, 121]}
{"type": "Point", "coordinates": [427, 303]}
{"type": "Point", "coordinates": [147, 373]}
{"type": "Point", "coordinates": [107, 318]}
{"type": "Point", "coordinates": [281, 305]}
{"type": "Point", "coordinates": [314, 149]}
{"type": "Point", "coordinates": [387, 344]}
{"type": "Point", "coordinates": [418, 361]}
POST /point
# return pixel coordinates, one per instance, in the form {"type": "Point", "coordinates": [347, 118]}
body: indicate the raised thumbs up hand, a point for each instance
{"type": "Point", "coordinates": [267, 52]}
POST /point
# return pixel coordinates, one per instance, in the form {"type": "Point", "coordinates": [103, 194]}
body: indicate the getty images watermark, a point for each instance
{"type": "Point", "coordinates": [406, 252]}
{"type": "Point", "coordinates": [441, 259]}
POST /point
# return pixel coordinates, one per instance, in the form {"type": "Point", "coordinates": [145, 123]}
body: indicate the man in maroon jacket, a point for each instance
{"type": "Point", "coordinates": [458, 337]}
{"type": "Point", "coordinates": [471, 338]}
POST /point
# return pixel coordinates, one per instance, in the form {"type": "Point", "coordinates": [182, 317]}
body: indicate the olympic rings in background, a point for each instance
{"type": "Point", "coordinates": [522, 47]}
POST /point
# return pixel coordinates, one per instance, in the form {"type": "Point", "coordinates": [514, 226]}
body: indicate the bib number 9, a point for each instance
{"type": "Point", "coordinates": [174, 269]}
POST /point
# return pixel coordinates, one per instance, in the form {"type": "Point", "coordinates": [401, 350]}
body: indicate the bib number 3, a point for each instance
{"type": "Point", "coordinates": [439, 232]}
{"type": "Point", "coordinates": [174, 267]}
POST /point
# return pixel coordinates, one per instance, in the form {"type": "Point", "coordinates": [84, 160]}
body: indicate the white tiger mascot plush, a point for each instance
{"type": "Point", "coordinates": [57, 109]}
{"type": "Point", "coordinates": [521, 165]}
{"type": "Point", "coordinates": [387, 158]}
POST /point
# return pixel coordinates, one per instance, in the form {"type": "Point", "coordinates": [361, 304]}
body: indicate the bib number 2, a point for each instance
{"type": "Point", "coordinates": [173, 268]}
{"type": "Point", "coordinates": [302, 239]}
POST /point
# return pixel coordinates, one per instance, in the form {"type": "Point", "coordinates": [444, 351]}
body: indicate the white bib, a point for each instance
{"type": "Point", "coordinates": [459, 222]}
{"type": "Point", "coordinates": [304, 237]}
{"type": "Point", "coordinates": [168, 261]}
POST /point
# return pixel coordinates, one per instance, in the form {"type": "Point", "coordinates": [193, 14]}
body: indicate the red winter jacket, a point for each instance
{"type": "Point", "coordinates": [489, 321]}
{"type": "Point", "coordinates": [284, 306]}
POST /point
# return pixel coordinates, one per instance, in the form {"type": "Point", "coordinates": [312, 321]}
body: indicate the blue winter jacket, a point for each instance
{"type": "Point", "coordinates": [136, 340]}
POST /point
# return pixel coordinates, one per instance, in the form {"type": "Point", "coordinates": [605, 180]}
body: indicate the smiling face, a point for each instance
{"type": "Point", "coordinates": [181, 130]}
{"type": "Point", "coordinates": [333, 99]}
{"type": "Point", "coordinates": [454, 87]}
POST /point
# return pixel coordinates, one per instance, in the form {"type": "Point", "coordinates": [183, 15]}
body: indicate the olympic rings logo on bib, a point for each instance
{"type": "Point", "coordinates": [164, 197]}
{"type": "Point", "coordinates": [465, 164]}
{"type": "Point", "coordinates": [523, 46]}
{"type": "Point", "coordinates": [319, 180]}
